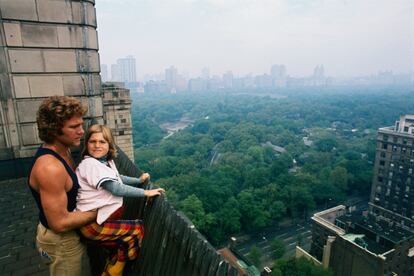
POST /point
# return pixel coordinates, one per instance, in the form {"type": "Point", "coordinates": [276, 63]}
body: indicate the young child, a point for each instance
{"type": "Point", "coordinates": [102, 188]}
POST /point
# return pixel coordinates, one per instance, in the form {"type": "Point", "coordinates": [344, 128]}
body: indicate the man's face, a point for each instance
{"type": "Point", "coordinates": [72, 132]}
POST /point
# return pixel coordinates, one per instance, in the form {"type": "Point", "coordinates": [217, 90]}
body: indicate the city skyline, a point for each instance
{"type": "Point", "coordinates": [349, 38]}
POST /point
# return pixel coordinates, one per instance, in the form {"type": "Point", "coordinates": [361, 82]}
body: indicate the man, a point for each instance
{"type": "Point", "coordinates": [54, 185]}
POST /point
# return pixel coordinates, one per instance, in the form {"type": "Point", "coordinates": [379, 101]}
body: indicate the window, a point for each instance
{"type": "Point", "coordinates": [384, 145]}
{"type": "Point", "coordinates": [405, 129]}
{"type": "Point", "coordinates": [383, 154]}
{"type": "Point", "coordinates": [382, 163]}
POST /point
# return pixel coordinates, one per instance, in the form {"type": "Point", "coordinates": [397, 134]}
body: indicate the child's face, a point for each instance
{"type": "Point", "coordinates": [97, 145]}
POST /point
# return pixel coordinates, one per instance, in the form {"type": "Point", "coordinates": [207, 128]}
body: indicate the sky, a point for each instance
{"type": "Point", "coordinates": [349, 37]}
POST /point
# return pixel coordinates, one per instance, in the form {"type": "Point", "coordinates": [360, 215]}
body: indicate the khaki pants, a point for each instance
{"type": "Point", "coordinates": [63, 253]}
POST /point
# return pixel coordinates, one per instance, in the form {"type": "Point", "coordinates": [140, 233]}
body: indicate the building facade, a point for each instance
{"type": "Point", "coordinates": [47, 48]}
{"type": "Point", "coordinates": [124, 70]}
{"type": "Point", "coordinates": [379, 241]}
{"type": "Point", "coordinates": [117, 115]}
{"type": "Point", "coordinates": [392, 190]}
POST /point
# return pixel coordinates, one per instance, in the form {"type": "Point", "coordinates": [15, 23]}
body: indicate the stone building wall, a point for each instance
{"type": "Point", "coordinates": [117, 115]}
{"type": "Point", "coordinates": [48, 47]}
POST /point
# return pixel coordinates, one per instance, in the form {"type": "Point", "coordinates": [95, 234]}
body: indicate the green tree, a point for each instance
{"type": "Point", "coordinates": [229, 216]}
{"type": "Point", "coordinates": [326, 144]}
{"type": "Point", "coordinates": [278, 248]}
{"type": "Point", "coordinates": [301, 266]}
{"type": "Point", "coordinates": [254, 256]}
{"type": "Point", "coordinates": [254, 214]}
{"type": "Point", "coordinates": [339, 178]}
{"type": "Point", "coordinates": [193, 208]}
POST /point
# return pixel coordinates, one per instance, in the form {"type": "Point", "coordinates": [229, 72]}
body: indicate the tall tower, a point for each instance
{"type": "Point", "coordinates": [171, 78]}
{"type": "Point", "coordinates": [392, 191]}
{"type": "Point", "coordinates": [47, 48]}
{"type": "Point", "coordinates": [205, 73]}
{"type": "Point", "coordinates": [278, 75]}
{"type": "Point", "coordinates": [127, 70]}
{"type": "Point", "coordinates": [115, 72]}
{"type": "Point", "coordinates": [228, 80]}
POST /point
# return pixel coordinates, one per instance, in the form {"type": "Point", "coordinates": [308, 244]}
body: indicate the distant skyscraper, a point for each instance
{"type": "Point", "coordinates": [318, 77]}
{"type": "Point", "coordinates": [126, 67]}
{"type": "Point", "coordinates": [278, 75]}
{"type": "Point", "coordinates": [228, 80]}
{"type": "Point", "coordinates": [319, 71]}
{"type": "Point", "coordinates": [205, 73]}
{"type": "Point", "coordinates": [171, 78]}
{"type": "Point", "coordinates": [104, 73]}
{"type": "Point", "coordinates": [115, 73]}
{"type": "Point", "coordinates": [278, 71]}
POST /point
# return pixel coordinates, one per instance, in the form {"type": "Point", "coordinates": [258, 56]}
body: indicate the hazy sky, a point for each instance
{"type": "Point", "coordinates": [349, 37]}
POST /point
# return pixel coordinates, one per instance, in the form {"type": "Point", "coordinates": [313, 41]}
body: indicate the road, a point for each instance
{"type": "Point", "coordinates": [288, 234]}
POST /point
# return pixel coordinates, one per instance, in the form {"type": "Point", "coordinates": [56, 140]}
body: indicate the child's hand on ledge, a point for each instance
{"type": "Point", "coordinates": [154, 192]}
{"type": "Point", "coordinates": [144, 177]}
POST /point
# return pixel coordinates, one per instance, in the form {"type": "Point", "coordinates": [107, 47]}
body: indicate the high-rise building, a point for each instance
{"type": "Point", "coordinates": [228, 80]}
{"type": "Point", "coordinates": [205, 73]}
{"type": "Point", "coordinates": [392, 191]}
{"type": "Point", "coordinates": [127, 71]}
{"type": "Point", "coordinates": [171, 79]}
{"type": "Point", "coordinates": [278, 75]}
{"type": "Point", "coordinates": [318, 77]}
{"type": "Point", "coordinates": [115, 72]}
{"type": "Point", "coordinates": [104, 73]}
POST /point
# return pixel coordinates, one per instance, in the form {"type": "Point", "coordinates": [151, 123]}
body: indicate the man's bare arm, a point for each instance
{"type": "Point", "coordinates": [51, 179]}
